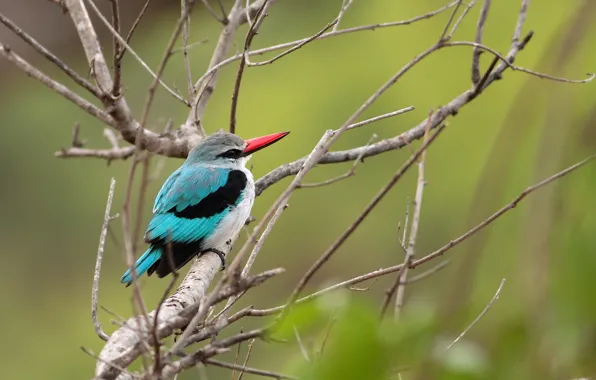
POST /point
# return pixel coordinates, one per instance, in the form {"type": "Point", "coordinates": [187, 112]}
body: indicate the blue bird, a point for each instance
{"type": "Point", "coordinates": [202, 206]}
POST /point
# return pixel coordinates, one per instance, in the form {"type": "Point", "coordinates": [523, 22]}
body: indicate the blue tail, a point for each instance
{"type": "Point", "coordinates": [143, 264]}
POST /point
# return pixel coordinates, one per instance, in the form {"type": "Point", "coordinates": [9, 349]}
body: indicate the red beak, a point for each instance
{"type": "Point", "coordinates": [259, 143]}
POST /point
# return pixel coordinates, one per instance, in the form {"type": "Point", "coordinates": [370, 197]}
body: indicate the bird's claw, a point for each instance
{"type": "Point", "coordinates": [221, 255]}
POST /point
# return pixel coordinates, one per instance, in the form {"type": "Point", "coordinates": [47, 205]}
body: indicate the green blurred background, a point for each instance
{"type": "Point", "coordinates": [521, 130]}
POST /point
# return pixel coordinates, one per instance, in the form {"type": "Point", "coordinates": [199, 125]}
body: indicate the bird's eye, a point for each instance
{"type": "Point", "coordinates": [232, 153]}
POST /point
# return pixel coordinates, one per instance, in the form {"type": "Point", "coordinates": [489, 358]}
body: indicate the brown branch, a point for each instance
{"type": "Point", "coordinates": [102, 241]}
{"type": "Point", "coordinates": [134, 27]}
{"type": "Point", "coordinates": [478, 39]}
{"type": "Point", "coordinates": [49, 56]}
{"type": "Point", "coordinates": [246, 369]}
{"type": "Point", "coordinates": [62, 90]}
{"type": "Point", "coordinates": [503, 210]}
{"type": "Point", "coordinates": [402, 275]}
{"type": "Point", "coordinates": [106, 154]}
{"type": "Point", "coordinates": [252, 32]}
{"type": "Point", "coordinates": [206, 84]}
{"type": "Point", "coordinates": [426, 258]}
{"type": "Point", "coordinates": [164, 60]}
{"type": "Point", "coordinates": [459, 20]}
{"type": "Point", "coordinates": [250, 345]}
{"type": "Point", "coordinates": [380, 117]}
{"type": "Point", "coordinates": [349, 173]}
{"type": "Point", "coordinates": [185, 27]}
{"type": "Point", "coordinates": [343, 237]}
{"type": "Point", "coordinates": [116, 90]}
{"type": "Point", "coordinates": [292, 49]}
{"type": "Point", "coordinates": [126, 46]}
{"type": "Point", "coordinates": [345, 4]}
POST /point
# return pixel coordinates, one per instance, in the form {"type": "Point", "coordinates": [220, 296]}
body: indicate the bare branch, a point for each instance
{"type": "Point", "coordinates": [164, 61]}
{"type": "Point", "coordinates": [49, 56]}
{"type": "Point", "coordinates": [302, 348]}
{"type": "Point", "coordinates": [185, 30]}
{"type": "Point", "coordinates": [250, 344]}
{"type": "Point", "coordinates": [134, 27]}
{"type": "Point", "coordinates": [210, 9]}
{"type": "Point", "coordinates": [223, 62]}
{"type": "Point", "coordinates": [116, 90]}
{"type": "Point", "coordinates": [450, 21]}
{"type": "Point", "coordinates": [428, 273]}
{"type": "Point", "coordinates": [126, 46]}
{"type": "Point", "coordinates": [460, 19]}
{"type": "Point", "coordinates": [345, 4]}
{"type": "Point", "coordinates": [91, 109]}
{"type": "Point", "coordinates": [107, 154]}
{"type": "Point", "coordinates": [292, 49]}
{"type": "Point", "coordinates": [102, 241]}
{"type": "Point", "coordinates": [380, 117]}
{"type": "Point", "coordinates": [374, 202]}
{"type": "Point", "coordinates": [488, 306]}
{"type": "Point", "coordinates": [252, 32]}
{"type": "Point", "coordinates": [246, 369]}
{"type": "Point", "coordinates": [402, 275]}
{"type": "Point", "coordinates": [478, 39]}
{"type": "Point", "coordinates": [348, 174]}
{"type": "Point", "coordinates": [499, 213]}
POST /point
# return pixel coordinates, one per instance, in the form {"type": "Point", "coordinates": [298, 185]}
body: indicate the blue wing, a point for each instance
{"type": "Point", "coordinates": [188, 208]}
{"type": "Point", "coordinates": [184, 191]}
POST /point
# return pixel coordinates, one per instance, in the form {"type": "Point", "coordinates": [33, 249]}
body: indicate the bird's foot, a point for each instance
{"type": "Point", "coordinates": [221, 255]}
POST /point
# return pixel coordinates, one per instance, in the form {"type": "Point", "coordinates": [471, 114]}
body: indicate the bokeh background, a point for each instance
{"type": "Point", "coordinates": [521, 130]}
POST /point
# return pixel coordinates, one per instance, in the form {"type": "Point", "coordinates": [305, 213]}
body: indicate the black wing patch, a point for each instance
{"type": "Point", "coordinates": [219, 200]}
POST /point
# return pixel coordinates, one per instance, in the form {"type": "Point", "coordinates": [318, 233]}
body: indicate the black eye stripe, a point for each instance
{"type": "Point", "coordinates": [232, 153]}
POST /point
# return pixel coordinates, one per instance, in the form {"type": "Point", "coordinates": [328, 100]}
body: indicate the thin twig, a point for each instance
{"type": "Point", "coordinates": [250, 344]}
{"type": "Point", "coordinates": [402, 242]}
{"type": "Point", "coordinates": [503, 210]}
{"type": "Point", "coordinates": [345, 4]}
{"type": "Point", "coordinates": [374, 202]}
{"type": "Point", "coordinates": [399, 286]}
{"type": "Point", "coordinates": [62, 90]}
{"type": "Point", "coordinates": [451, 17]}
{"type": "Point", "coordinates": [518, 68]}
{"type": "Point", "coordinates": [380, 117]}
{"type": "Point", "coordinates": [428, 273]}
{"type": "Point", "coordinates": [116, 91]}
{"type": "Point", "coordinates": [347, 174]}
{"type": "Point", "coordinates": [488, 306]}
{"type": "Point", "coordinates": [371, 27]}
{"type": "Point", "coordinates": [126, 46]}
{"type": "Point", "coordinates": [242, 368]}
{"type": "Point", "coordinates": [478, 39]}
{"type": "Point", "coordinates": [49, 56]}
{"type": "Point", "coordinates": [460, 19]}
{"type": "Point", "coordinates": [252, 32]}
{"type": "Point", "coordinates": [102, 241]}
{"type": "Point", "coordinates": [210, 9]}
{"type": "Point", "coordinates": [292, 49]}
{"type": "Point", "coordinates": [134, 27]}
{"type": "Point", "coordinates": [300, 344]}
{"type": "Point", "coordinates": [185, 27]}
{"type": "Point", "coordinates": [164, 60]}
{"type": "Point", "coordinates": [432, 255]}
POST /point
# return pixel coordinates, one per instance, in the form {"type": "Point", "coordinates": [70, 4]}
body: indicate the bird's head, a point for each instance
{"type": "Point", "coordinates": [227, 149]}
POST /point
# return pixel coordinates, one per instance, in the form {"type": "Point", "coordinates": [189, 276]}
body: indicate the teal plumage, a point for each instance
{"type": "Point", "coordinates": [202, 206]}
{"type": "Point", "coordinates": [186, 187]}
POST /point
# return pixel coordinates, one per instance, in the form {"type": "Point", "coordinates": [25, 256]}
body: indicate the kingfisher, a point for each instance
{"type": "Point", "coordinates": [202, 206]}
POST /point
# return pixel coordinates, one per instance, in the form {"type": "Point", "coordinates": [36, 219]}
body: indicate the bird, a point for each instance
{"type": "Point", "coordinates": [202, 206]}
